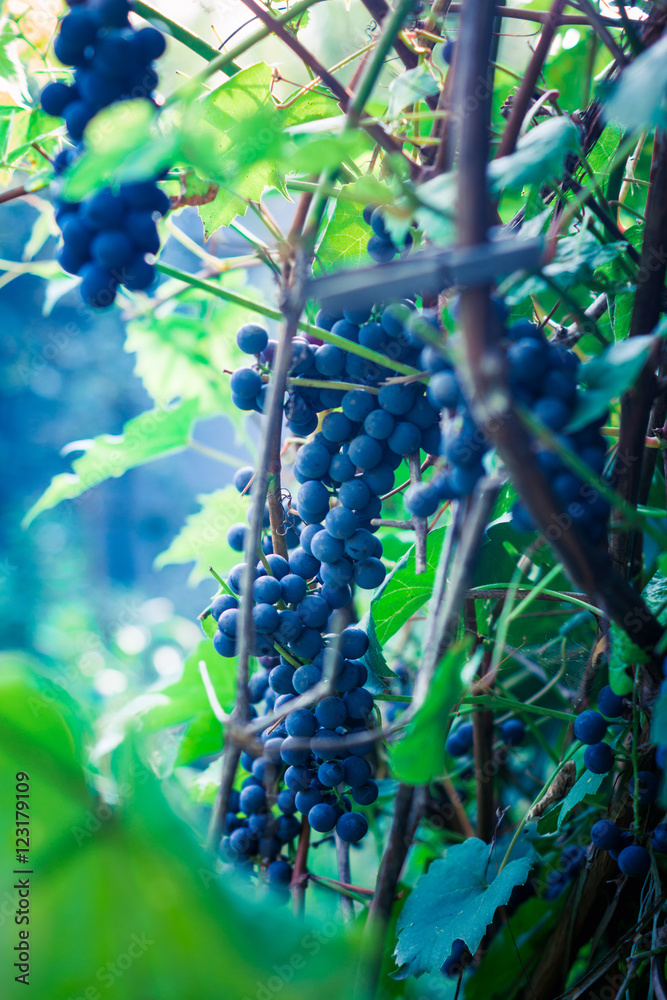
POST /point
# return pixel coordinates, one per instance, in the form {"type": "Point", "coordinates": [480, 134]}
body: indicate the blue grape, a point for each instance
{"type": "Point", "coordinates": [351, 827]}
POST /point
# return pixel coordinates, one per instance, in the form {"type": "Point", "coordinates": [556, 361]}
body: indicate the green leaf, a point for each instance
{"type": "Point", "coordinates": [456, 898]}
{"type": "Point", "coordinates": [203, 538]}
{"type": "Point", "coordinates": [587, 784]}
{"type": "Point", "coordinates": [605, 149]}
{"type": "Point", "coordinates": [234, 137]}
{"type": "Point", "coordinates": [639, 97]}
{"type": "Point", "coordinates": [420, 755]}
{"type": "Point", "coordinates": [186, 698]}
{"type": "Point", "coordinates": [539, 153]}
{"type": "Point", "coordinates": [608, 376]}
{"type": "Point", "coordinates": [409, 88]}
{"type": "Point", "coordinates": [123, 143]}
{"type": "Point", "coordinates": [134, 889]}
{"type": "Point", "coordinates": [12, 73]}
{"type": "Point", "coordinates": [623, 654]}
{"type": "Point", "coordinates": [345, 238]}
{"type": "Point", "coordinates": [403, 592]}
{"type": "Point", "coordinates": [151, 435]}
{"type": "Point", "coordinates": [184, 355]}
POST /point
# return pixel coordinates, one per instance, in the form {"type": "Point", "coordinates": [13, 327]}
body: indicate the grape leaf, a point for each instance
{"type": "Point", "coordinates": [180, 355]}
{"type": "Point", "coordinates": [608, 376]}
{"type": "Point", "coordinates": [404, 592]}
{"type": "Point", "coordinates": [203, 538]}
{"type": "Point", "coordinates": [345, 238]}
{"type": "Point", "coordinates": [539, 153]}
{"type": "Point", "coordinates": [587, 784]}
{"type": "Point", "coordinates": [133, 888]}
{"type": "Point", "coordinates": [420, 755]}
{"type": "Point", "coordinates": [604, 150]}
{"type": "Point", "coordinates": [151, 435]}
{"type": "Point", "coordinates": [409, 88]}
{"type": "Point", "coordinates": [624, 652]}
{"type": "Point", "coordinates": [639, 97]}
{"type": "Point", "coordinates": [456, 898]}
{"type": "Point", "coordinates": [373, 658]}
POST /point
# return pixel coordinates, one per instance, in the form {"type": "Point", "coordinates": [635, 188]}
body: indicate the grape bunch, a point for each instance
{"type": "Point", "coordinates": [107, 236]}
{"type": "Point", "coordinates": [112, 61]}
{"type": "Point", "coordinates": [544, 379]}
{"type": "Point", "coordinates": [106, 239]}
{"type": "Point", "coordinates": [348, 464]}
{"type": "Point", "coordinates": [315, 758]}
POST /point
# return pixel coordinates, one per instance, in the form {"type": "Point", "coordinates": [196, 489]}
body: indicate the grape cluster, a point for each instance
{"type": "Point", "coordinates": [106, 237]}
{"type": "Point", "coordinates": [544, 379]}
{"type": "Point", "coordinates": [349, 463]}
{"type": "Point", "coordinates": [315, 758]}
{"type": "Point", "coordinates": [381, 247]}
{"type": "Point", "coordinates": [112, 62]}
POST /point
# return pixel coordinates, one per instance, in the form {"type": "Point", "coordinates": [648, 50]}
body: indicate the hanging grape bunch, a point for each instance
{"type": "Point", "coordinates": [107, 236]}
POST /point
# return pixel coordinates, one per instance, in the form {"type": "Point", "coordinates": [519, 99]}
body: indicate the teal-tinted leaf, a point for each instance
{"type": "Point", "coordinates": [608, 376]}
{"type": "Point", "coordinates": [151, 435]}
{"type": "Point", "coordinates": [639, 97]}
{"type": "Point", "coordinates": [403, 593]}
{"type": "Point", "coordinates": [408, 88]}
{"type": "Point", "coordinates": [378, 671]}
{"type": "Point", "coordinates": [587, 784]}
{"type": "Point", "coordinates": [203, 538]}
{"type": "Point", "coordinates": [456, 898]}
{"type": "Point", "coordinates": [539, 153]}
{"type": "Point", "coordinates": [659, 719]}
{"type": "Point", "coordinates": [436, 212]}
{"type": "Point", "coordinates": [420, 755]}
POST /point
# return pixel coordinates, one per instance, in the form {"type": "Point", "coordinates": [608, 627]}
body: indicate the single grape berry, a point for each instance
{"type": "Point", "coordinates": [648, 787]}
{"type": "Point", "coordinates": [610, 704]}
{"type": "Point", "coordinates": [659, 838]}
{"type": "Point", "coordinates": [634, 861]}
{"type": "Point", "coordinates": [599, 758]}
{"type": "Point", "coordinates": [352, 827]}
{"type": "Point", "coordinates": [322, 817]}
{"type": "Point", "coordinates": [459, 741]}
{"type": "Point", "coordinates": [513, 732]}
{"type": "Point", "coordinates": [590, 727]}
{"type": "Point", "coordinates": [252, 338]}
{"type": "Point", "coordinates": [605, 835]}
